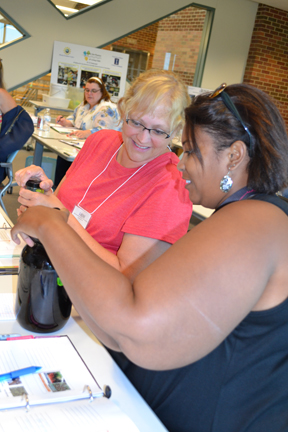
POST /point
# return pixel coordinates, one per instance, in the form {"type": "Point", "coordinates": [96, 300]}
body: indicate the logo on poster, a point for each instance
{"type": "Point", "coordinates": [67, 50]}
{"type": "Point", "coordinates": [116, 61]}
{"type": "Point", "coordinates": [86, 54]}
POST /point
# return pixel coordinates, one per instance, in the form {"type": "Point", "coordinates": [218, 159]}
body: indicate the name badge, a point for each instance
{"type": "Point", "coordinates": [82, 216]}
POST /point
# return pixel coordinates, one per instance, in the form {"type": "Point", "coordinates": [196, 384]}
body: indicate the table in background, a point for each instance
{"type": "Point", "coordinates": [39, 106]}
{"type": "Point", "coordinates": [201, 212]}
{"type": "Point", "coordinates": [51, 140]}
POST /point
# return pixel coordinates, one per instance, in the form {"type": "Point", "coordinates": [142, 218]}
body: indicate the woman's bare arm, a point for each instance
{"type": "Point", "coordinates": [6, 101]}
{"type": "Point", "coordinates": [187, 301]}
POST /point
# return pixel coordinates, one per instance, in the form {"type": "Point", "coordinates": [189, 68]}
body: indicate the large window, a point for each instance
{"type": "Point", "coordinates": [178, 43]}
{"type": "Point", "coordinates": [8, 31]}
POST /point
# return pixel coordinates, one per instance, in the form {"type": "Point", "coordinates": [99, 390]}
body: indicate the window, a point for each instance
{"type": "Point", "coordinates": [69, 8]}
{"type": "Point", "coordinates": [138, 61]}
{"type": "Point", "coordinates": [8, 31]}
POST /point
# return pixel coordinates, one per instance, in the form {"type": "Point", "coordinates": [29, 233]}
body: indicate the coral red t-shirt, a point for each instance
{"type": "Point", "coordinates": [153, 203]}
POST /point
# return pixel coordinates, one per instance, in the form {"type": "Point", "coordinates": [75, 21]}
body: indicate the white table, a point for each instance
{"type": "Point", "coordinates": [39, 106]}
{"type": "Point", "coordinates": [201, 212]}
{"type": "Point", "coordinates": [51, 140]}
{"type": "Point", "coordinates": [102, 366]}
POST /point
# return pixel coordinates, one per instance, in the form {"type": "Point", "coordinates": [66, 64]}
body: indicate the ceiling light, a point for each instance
{"type": "Point", "coordinates": [88, 2]}
{"type": "Point", "coordinates": [66, 9]}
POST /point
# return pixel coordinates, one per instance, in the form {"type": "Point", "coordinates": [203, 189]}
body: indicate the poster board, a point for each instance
{"type": "Point", "coordinates": [74, 64]}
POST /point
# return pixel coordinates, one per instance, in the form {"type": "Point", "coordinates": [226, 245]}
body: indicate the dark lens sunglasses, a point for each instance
{"type": "Point", "coordinates": [232, 108]}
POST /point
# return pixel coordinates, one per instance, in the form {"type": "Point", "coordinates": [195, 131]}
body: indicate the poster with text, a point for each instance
{"type": "Point", "coordinates": [73, 65]}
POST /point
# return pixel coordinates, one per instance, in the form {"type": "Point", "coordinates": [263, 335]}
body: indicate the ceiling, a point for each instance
{"type": "Point", "coordinates": [279, 4]}
{"type": "Point", "coordinates": [78, 5]}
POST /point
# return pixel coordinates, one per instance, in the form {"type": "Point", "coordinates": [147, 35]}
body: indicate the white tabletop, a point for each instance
{"type": "Point", "coordinates": [51, 140]}
{"type": "Point", "coordinates": [102, 366]}
{"type": "Point", "coordinates": [201, 212]}
{"type": "Point", "coordinates": [41, 105]}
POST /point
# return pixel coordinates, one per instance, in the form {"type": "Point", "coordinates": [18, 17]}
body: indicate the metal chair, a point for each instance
{"type": "Point", "coordinates": [9, 173]}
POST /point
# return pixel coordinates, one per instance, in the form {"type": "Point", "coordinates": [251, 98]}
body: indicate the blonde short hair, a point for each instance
{"type": "Point", "coordinates": [152, 88]}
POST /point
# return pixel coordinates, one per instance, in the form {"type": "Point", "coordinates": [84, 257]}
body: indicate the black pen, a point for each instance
{"type": "Point", "coordinates": [60, 119]}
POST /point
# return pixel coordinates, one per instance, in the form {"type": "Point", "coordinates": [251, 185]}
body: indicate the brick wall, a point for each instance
{"type": "Point", "coordinates": [180, 34]}
{"type": "Point", "coordinates": [267, 63]}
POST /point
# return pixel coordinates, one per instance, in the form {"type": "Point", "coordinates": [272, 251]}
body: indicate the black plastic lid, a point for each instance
{"type": "Point", "coordinates": [33, 182]}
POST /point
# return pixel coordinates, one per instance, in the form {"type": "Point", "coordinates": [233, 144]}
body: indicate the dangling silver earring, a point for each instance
{"type": "Point", "coordinates": [226, 183]}
{"type": "Point", "coordinates": [169, 147]}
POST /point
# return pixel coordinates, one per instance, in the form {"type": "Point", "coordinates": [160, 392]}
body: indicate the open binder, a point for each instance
{"type": "Point", "coordinates": [59, 395]}
{"type": "Point", "coordinates": [63, 377]}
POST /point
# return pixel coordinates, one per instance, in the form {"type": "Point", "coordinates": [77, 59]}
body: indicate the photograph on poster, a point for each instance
{"type": "Point", "coordinates": [67, 74]}
{"type": "Point", "coordinates": [112, 83]}
{"type": "Point", "coordinates": [85, 74]}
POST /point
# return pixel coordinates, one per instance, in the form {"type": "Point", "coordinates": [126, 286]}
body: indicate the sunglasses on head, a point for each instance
{"type": "Point", "coordinates": [232, 108]}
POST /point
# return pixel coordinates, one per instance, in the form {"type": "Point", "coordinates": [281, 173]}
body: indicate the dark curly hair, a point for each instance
{"type": "Point", "coordinates": [268, 150]}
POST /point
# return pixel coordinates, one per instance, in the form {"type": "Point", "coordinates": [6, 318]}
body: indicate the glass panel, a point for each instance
{"type": "Point", "coordinates": [71, 7]}
{"type": "Point", "coordinates": [8, 32]}
{"type": "Point", "coordinates": [172, 43]}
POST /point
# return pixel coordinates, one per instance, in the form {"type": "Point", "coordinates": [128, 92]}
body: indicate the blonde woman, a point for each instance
{"type": "Point", "coordinates": [126, 197]}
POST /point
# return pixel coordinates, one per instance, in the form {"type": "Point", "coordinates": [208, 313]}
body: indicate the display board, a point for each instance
{"type": "Point", "coordinates": [74, 64]}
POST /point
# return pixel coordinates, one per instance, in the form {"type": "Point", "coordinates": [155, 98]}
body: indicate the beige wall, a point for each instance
{"type": "Point", "coordinates": [227, 54]}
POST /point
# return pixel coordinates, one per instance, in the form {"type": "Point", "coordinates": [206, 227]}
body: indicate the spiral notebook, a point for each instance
{"type": "Point", "coordinates": [63, 394]}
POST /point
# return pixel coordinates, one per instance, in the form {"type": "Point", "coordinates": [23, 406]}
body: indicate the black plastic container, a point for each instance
{"type": "Point", "coordinates": [42, 304]}
{"type": "Point", "coordinates": [33, 184]}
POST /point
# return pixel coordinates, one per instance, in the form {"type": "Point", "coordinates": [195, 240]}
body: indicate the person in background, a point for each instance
{"type": "Point", "coordinates": [127, 198]}
{"type": "Point", "coordinates": [16, 126]}
{"type": "Point", "coordinates": [95, 113]}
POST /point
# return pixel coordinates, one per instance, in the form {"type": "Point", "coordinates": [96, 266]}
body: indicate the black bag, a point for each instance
{"type": "Point", "coordinates": [17, 127]}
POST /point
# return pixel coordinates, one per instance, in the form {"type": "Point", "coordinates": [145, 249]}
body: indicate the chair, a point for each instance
{"type": "Point", "coordinates": [9, 174]}
{"type": "Point", "coordinates": [48, 164]}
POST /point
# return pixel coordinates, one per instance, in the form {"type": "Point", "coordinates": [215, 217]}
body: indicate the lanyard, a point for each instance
{"type": "Point", "coordinates": [82, 215]}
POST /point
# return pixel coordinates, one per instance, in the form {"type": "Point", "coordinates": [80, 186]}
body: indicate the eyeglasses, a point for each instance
{"type": "Point", "coordinates": [155, 133]}
{"type": "Point", "coordinates": [232, 108]}
{"type": "Point", "coordinates": [91, 91]}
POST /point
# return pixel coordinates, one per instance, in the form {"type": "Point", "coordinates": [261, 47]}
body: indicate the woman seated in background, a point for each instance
{"type": "Point", "coordinates": [95, 113]}
{"type": "Point", "coordinates": [127, 198]}
{"type": "Point", "coordinates": [16, 125]}
{"type": "Point", "coordinates": [206, 324]}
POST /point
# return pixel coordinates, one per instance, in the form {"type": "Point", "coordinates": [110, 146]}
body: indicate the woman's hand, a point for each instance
{"type": "Point", "coordinates": [30, 222]}
{"type": "Point", "coordinates": [64, 122]}
{"type": "Point", "coordinates": [31, 199]}
{"type": "Point", "coordinates": [82, 134]}
{"type": "Point", "coordinates": [25, 174]}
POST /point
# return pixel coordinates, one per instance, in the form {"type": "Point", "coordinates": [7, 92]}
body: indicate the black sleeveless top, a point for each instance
{"type": "Point", "coordinates": [241, 386]}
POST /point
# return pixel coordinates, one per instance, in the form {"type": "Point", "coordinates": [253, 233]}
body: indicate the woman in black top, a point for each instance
{"type": "Point", "coordinates": [205, 326]}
